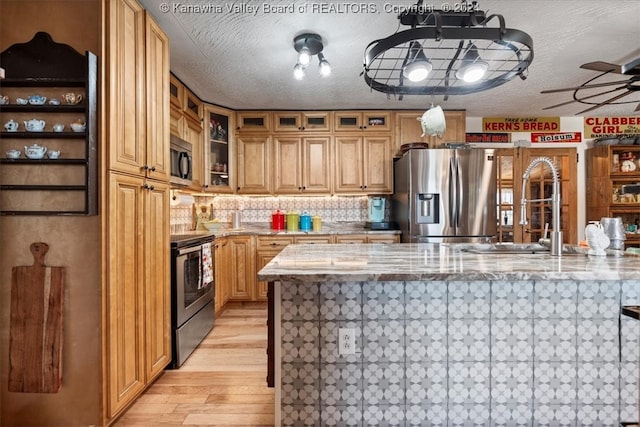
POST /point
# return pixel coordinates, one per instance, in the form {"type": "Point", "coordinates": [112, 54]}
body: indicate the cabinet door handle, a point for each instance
{"type": "Point", "coordinates": [153, 168]}
{"type": "Point", "coordinates": [304, 188]}
{"type": "Point", "coordinates": [148, 187]}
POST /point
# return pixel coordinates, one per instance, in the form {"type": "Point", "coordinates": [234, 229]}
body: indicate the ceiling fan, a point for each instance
{"type": "Point", "coordinates": [586, 92]}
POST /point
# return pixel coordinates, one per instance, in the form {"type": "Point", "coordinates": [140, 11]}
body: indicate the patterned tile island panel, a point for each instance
{"type": "Point", "coordinates": [459, 353]}
{"type": "Point", "coordinates": [445, 338]}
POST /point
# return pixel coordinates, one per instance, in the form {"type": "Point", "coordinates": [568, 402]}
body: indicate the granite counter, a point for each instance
{"type": "Point", "coordinates": [445, 337]}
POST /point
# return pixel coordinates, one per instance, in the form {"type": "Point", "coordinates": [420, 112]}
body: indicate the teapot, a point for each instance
{"type": "Point", "coordinates": [72, 98]}
{"type": "Point", "coordinates": [37, 99]}
{"type": "Point", "coordinates": [35, 151]}
{"type": "Point", "coordinates": [34, 125]}
{"type": "Point", "coordinates": [11, 126]}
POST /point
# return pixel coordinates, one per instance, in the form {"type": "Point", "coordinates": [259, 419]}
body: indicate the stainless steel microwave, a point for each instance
{"type": "Point", "coordinates": [181, 161]}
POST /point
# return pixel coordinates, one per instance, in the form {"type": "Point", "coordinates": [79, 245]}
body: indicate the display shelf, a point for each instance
{"type": "Point", "coordinates": [43, 63]}
{"type": "Point", "coordinates": [47, 108]}
{"type": "Point", "coordinates": [36, 135]}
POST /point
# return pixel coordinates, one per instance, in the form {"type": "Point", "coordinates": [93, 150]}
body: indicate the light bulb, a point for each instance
{"type": "Point", "coordinates": [472, 72]}
{"type": "Point", "coordinates": [298, 72]}
{"type": "Point", "coordinates": [325, 67]}
{"type": "Point", "coordinates": [417, 71]}
{"type": "Point", "coordinates": [304, 57]}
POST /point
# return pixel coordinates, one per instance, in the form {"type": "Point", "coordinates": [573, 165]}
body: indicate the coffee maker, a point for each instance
{"type": "Point", "coordinates": [376, 214]}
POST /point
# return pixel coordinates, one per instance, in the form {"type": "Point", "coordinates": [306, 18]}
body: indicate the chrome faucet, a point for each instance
{"type": "Point", "coordinates": [556, 234]}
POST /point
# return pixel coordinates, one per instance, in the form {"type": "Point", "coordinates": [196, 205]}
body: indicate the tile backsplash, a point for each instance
{"type": "Point", "coordinates": [260, 208]}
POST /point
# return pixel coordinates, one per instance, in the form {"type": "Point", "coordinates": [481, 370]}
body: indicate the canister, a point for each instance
{"type": "Point", "coordinates": [305, 221]}
{"type": "Point", "coordinates": [293, 221]}
{"type": "Point", "coordinates": [277, 220]}
{"type": "Point", "coordinates": [317, 223]}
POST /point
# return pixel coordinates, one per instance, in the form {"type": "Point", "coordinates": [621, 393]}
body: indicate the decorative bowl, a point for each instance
{"type": "Point", "coordinates": [212, 225]}
{"type": "Point", "coordinates": [54, 101]}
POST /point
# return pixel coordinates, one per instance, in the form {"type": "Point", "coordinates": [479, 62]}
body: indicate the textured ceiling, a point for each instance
{"type": "Point", "coordinates": [243, 59]}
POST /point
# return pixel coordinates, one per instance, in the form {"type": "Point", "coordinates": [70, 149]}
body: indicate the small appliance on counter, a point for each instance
{"type": "Point", "coordinates": [376, 215]}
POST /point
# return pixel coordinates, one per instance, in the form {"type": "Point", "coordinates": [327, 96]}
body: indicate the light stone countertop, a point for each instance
{"type": "Point", "coordinates": [424, 261]}
{"type": "Point", "coordinates": [264, 229]}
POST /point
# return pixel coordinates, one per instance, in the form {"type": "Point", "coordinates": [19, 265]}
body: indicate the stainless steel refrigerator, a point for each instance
{"type": "Point", "coordinates": [445, 195]}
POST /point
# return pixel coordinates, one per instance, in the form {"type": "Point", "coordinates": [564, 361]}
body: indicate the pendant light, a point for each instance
{"type": "Point", "coordinates": [473, 68]}
{"type": "Point", "coordinates": [307, 45]}
{"type": "Point", "coordinates": [418, 66]}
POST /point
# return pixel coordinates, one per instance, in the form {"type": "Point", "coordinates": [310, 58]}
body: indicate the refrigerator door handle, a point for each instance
{"type": "Point", "coordinates": [452, 193]}
{"type": "Point", "coordinates": [459, 193]}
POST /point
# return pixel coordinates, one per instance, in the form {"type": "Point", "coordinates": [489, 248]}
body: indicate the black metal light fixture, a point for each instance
{"type": "Point", "coordinates": [307, 45]}
{"type": "Point", "coordinates": [465, 54]}
{"type": "Point", "coordinates": [417, 66]}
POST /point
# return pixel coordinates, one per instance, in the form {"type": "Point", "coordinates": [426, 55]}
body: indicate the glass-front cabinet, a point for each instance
{"type": "Point", "coordinates": [219, 153]}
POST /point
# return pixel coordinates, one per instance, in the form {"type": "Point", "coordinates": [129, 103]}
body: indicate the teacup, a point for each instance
{"type": "Point", "coordinates": [72, 98]}
{"type": "Point", "coordinates": [58, 127]}
{"type": "Point", "coordinates": [4, 99]}
{"type": "Point", "coordinates": [22, 101]}
{"type": "Point", "coordinates": [11, 126]}
{"type": "Point", "coordinates": [53, 154]}
{"type": "Point", "coordinates": [13, 154]}
{"type": "Point", "coordinates": [54, 101]}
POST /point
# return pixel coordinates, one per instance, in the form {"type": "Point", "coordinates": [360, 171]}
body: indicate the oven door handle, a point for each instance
{"type": "Point", "coordinates": [192, 249]}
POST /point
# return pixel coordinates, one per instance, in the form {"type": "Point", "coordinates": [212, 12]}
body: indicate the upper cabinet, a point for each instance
{"type": "Point", "coordinates": [409, 129]}
{"type": "Point", "coordinates": [219, 150]}
{"type": "Point", "coordinates": [253, 121]}
{"type": "Point", "coordinates": [311, 121]}
{"type": "Point", "coordinates": [363, 164]}
{"type": "Point", "coordinates": [176, 92]}
{"type": "Point", "coordinates": [192, 106]}
{"type": "Point", "coordinates": [369, 121]}
{"type": "Point", "coordinates": [302, 165]}
{"type": "Point", "coordinates": [254, 164]}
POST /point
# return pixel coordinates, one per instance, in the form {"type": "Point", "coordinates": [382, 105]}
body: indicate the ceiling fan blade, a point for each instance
{"type": "Point", "coordinates": [584, 87]}
{"type": "Point", "coordinates": [601, 66]}
{"type": "Point", "coordinates": [608, 101]}
{"type": "Point", "coordinates": [582, 99]}
{"type": "Point", "coordinates": [631, 68]}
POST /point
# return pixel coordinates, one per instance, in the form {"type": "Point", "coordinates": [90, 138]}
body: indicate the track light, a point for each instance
{"type": "Point", "coordinates": [417, 66]}
{"type": "Point", "coordinates": [473, 68]}
{"type": "Point", "coordinates": [307, 45]}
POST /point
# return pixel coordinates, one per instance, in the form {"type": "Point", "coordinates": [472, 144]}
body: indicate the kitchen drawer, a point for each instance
{"type": "Point", "coordinates": [273, 242]}
{"type": "Point", "coordinates": [314, 239]}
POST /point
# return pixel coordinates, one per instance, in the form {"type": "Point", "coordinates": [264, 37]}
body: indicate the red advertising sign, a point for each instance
{"type": "Point", "coordinates": [556, 137]}
{"type": "Point", "coordinates": [487, 137]}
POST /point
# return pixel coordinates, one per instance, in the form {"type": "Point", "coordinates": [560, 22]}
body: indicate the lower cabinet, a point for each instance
{"type": "Point", "coordinates": [137, 303]}
{"type": "Point", "coordinates": [242, 268]}
{"type": "Point", "coordinates": [222, 272]}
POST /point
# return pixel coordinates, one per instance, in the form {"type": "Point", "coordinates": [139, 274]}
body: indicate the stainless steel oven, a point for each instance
{"type": "Point", "coordinates": [192, 293]}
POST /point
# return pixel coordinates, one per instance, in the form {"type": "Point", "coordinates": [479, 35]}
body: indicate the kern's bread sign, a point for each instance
{"type": "Point", "coordinates": [556, 137]}
{"type": "Point", "coordinates": [596, 127]}
{"type": "Point", "coordinates": [520, 124]}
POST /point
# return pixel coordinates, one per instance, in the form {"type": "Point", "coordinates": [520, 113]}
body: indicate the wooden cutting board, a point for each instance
{"type": "Point", "coordinates": [35, 337]}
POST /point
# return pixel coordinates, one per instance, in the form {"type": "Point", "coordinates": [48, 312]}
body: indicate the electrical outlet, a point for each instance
{"type": "Point", "coordinates": [346, 341]}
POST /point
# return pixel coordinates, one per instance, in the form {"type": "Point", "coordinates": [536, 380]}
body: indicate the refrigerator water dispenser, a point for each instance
{"type": "Point", "coordinates": [427, 208]}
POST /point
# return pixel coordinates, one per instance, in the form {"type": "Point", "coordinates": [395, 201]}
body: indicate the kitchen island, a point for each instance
{"type": "Point", "coordinates": [447, 337]}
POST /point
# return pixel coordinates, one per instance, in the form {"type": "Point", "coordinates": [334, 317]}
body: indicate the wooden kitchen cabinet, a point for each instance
{"type": "Point", "coordinates": [254, 164]}
{"type": "Point", "coordinates": [367, 121]}
{"type": "Point", "coordinates": [176, 121]}
{"type": "Point", "coordinates": [136, 221]}
{"type": "Point", "coordinates": [253, 121]}
{"type": "Point", "coordinates": [363, 164]}
{"type": "Point", "coordinates": [138, 296]}
{"type": "Point", "coordinates": [222, 276]}
{"type": "Point", "coordinates": [176, 92]}
{"type": "Point", "coordinates": [350, 238]}
{"type": "Point", "coordinates": [192, 106]}
{"type": "Point", "coordinates": [383, 238]}
{"type": "Point", "coordinates": [608, 172]}
{"type": "Point", "coordinates": [314, 239]}
{"type": "Point", "coordinates": [367, 238]}
{"type": "Point", "coordinates": [408, 129]}
{"type": "Point", "coordinates": [219, 150]}
{"type": "Point", "coordinates": [243, 272]}
{"type": "Point", "coordinates": [292, 121]}
{"type": "Point", "coordinates": [302, 164]}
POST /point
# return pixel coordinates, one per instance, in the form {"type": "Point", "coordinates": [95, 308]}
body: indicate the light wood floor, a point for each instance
{"type": "Point", "coordinates": [223, 383]}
